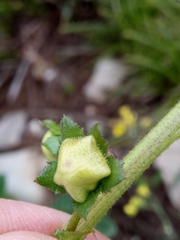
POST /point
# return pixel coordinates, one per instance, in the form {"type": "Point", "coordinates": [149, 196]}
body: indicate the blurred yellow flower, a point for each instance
{"type": "Point", "coordinates": [127, 120]}
{"type": "Point", "coordinates": [143, 190]}
{"type": "Point", "coordinates": [130, 209]}
{"type": "Point", "coordinates": [136, 201]}
{"type": "Point", "coordinates": [119, 129]}
{"type": "Point", "coordinates": [127, 115]}
{"type": "Point", "coordinates": [145, 122]}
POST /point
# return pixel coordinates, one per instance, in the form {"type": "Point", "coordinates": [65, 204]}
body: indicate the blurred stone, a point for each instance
{"type": "Point", "coordinates": [12, 127]}
{"type": "Point", "coordinates": [107, 75]}
{"type": "Point", "coordinates": [49, 74]}
{"type": "Point", "coordinates": [35, 128]}
{"type": "Point", "coordinates": [20, 168]}
{"type": "Point", "coordinates": [169, 165]}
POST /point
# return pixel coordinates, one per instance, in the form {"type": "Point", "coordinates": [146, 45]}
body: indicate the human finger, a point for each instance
{"type": "Point", "coordinates": [17, 216]}
{"type": "Point", "coordinates": [21, 235]}
{"type": "Point", "coordinates": [22, 216]}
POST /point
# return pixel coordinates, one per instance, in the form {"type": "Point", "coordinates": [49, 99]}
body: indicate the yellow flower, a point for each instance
{"type": "Point", "coordinates": [136, 201]}
{"type": "Point", "coordinates": [127, 115]}
{"type": "Point", "coordinates": [145, 122]}
{"type": "Point", "coordinates": [143, 190]}
{"type": "Point", "coordinates": [130, 209]}
{"type": "Point", "coordinates": [119, 129]}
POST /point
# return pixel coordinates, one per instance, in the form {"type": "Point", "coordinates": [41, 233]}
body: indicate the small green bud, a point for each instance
{"type": "Point", "coordinates": [80, 167]}
{"type": "Point", "coordinates": [47, 153]}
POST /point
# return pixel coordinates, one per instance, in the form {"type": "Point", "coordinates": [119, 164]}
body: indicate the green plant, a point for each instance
{"type": "Point", "coordinates": [107, 226]}
{"type": "Point", "coordinates": [103, 193]}
{"type": "Point", "coordinates": [3, 192]}
{"type": "Point", "coordinates": [146, 35]}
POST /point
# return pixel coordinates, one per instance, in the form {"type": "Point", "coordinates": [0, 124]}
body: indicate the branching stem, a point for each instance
{"type": "Point", "coordinates": [73, 222]}
{"type": "Point", "coordinates": [135, 163]}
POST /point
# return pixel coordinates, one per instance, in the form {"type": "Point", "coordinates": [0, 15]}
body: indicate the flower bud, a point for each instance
{"type": "Point", "coordinates": [47, 153]}
{"type": "Point", "coordinates": [81, 165]}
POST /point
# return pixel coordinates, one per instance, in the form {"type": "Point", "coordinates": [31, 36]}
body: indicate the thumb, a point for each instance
{"type": "Point", "coordinates": [21, 235]}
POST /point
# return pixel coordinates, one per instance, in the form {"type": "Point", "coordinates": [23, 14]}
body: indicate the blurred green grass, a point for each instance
{"type": "Point", "coordinates": [146, 34]}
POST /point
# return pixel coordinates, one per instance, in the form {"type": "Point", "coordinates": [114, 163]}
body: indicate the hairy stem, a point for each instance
{"type": "Point", "coordinates": [135, 163]}
{"type": "Point", "coordinates": [73, 222]}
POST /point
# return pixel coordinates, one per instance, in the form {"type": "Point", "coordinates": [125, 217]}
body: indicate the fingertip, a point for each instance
{"type": "Point", "coordinates": [21, 216]}
{"type": "Point", "coordinates": [97, 236]}
{"type": "Point", "coordinates": [21, 235]}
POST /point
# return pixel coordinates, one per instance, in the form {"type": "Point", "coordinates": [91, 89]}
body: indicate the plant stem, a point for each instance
{"type": "Point", "coordinates": [73, 222]}
{"type": "Point", "coordinates": [135, 163]}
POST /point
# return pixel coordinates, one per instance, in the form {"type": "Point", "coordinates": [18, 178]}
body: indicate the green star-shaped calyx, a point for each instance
{"type": "Point", "coordinates": [81, 165]}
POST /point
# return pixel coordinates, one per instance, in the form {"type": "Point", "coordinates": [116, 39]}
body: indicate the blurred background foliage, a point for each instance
{"type": "Point", "coordinates": [9, 11]}
{"type": "Point", "coordinates": [145, 34]}
{"type": "Point", "coordinates": [3, 192]}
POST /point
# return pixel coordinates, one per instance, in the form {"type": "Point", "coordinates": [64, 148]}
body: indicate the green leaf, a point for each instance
{"type": "Point", "coordinates": [52, 126]}
{"type": "Point", "coordinates": [83, 208]}
{"type": "Point", "coordinates": [5, 9]}
{"type": "Point", "coordinates": [107, 226]}
{"type": "Point", "coordinates": [52, 144]}
{"type": "Point", "coordinates": [2, 184]}
{"type": "Point", "coordinates": [69, 129]}
{"type": "Point", "coordinates": [63, 203]}
{"type": "Point", "coordinates": [45, 178]}
{"type": "Point", "coordinates": [65, 235]}
{"type": "Point", "coordinates": [101, 143]}
{"type": "Point", "coordinates": [116, 176]}
{"type": "Point", "coordinates": [3, 192]}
